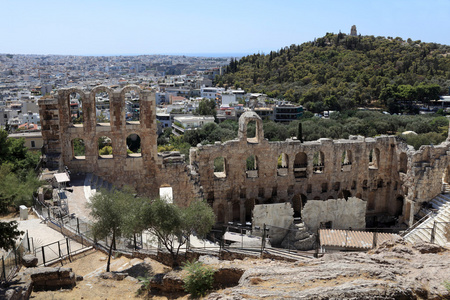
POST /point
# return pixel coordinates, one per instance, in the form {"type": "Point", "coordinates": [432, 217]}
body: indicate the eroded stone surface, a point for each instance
{"type": "Point", "coordinates": [389, 274]}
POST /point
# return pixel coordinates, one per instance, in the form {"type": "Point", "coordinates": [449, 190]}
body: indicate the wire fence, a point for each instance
{"type": "Point", "coordinates": [81, 231]}
{"type": "Point", "coordinates": [12, 262]}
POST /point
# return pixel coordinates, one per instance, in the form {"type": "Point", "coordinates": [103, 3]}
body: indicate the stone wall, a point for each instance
{"type": "Point", "coordinates": [367, 168]}
{"type": "Point", "coordinates": [340, 212]}
{"type": "Point", "coordinates": [145, 171]}
{"type": "Point", "coordinates": [387, 174]}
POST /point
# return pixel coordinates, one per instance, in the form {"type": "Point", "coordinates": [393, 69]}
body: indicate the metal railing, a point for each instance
{"type": "Point", "coordinates": [415, 225]}
{"type": "Point", "coordinates": [439, 233]}
{"type": "Point", "coordinates": [12, 262]}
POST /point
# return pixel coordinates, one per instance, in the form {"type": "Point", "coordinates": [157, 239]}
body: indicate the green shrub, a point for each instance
{"type": "Point", "coordinates": [447, 285]}
{"type": "Point", "coordinates": [199, 280]}
{"type": "Point", "coordinates": [145, 285]}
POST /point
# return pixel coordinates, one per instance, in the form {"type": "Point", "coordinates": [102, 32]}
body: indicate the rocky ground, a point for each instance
{"type": "Point", "coordinates": [91, 265]}
{"type": "Point", "coordinates": [393, 271]}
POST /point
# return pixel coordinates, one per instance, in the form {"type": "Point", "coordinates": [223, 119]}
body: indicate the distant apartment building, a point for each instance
{"type": "Point", "coordinates": [211, 92]}
{"type": "Point", "coordinates": [182, 123]}
{"type": "Point", "coordinates": [286, 112]}
{"type": "Point", "coordinates": [160, 98]}
{"type": "Point", "coordinates": [164, 119]}
{"type": "Point", "coordinates": [226, 113]}
{"type": "Point", "coordinates": [266, 113]}
{"type": "Point", "coordinates": [33, 140]}
{"type": "Point", "coordinates": [228, 98]}
{"type": "Point", "coordinates": [30, 117]}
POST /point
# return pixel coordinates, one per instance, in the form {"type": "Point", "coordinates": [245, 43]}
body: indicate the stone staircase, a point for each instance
{"type": "Point", "coordinates": [93, 183]}
{"type": "Point", "coordinates": [438, 221]}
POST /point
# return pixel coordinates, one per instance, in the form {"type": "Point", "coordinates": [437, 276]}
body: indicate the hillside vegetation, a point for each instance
{"type": "Point", "coordinates": [340, 72]}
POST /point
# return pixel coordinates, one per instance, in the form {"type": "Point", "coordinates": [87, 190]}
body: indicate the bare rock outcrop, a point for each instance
{"type": "Point", "coordinates": [395, 271]}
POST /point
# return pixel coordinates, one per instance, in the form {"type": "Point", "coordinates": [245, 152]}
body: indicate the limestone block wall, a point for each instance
{"type": "Point", "coordinates": [340, 212]}
{"type": "Point", "coordinates": [388, 175]}
{"type": "Point", "coordinates": [371, 172]}
{"type": "Point", "coordinates": [429, 169]}
{"type": "Point", "coordinates": [276, 216]}
{"type": "Point", "coordinates": [145, 171]}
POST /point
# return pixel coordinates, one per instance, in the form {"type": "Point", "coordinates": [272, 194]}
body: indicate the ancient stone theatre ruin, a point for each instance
{"type": "Point", "coordinates": [390, 177]}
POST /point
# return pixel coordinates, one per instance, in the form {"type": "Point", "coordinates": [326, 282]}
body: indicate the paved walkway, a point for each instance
{"type": "Point", "coordinates": [77, 199]}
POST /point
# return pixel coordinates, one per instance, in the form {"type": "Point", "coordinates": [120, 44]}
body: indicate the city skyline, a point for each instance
{"type": "Point", "coordinates": [198, 27]}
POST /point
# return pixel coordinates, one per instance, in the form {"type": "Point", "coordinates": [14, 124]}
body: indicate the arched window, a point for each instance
{"type": "Point", "coordinates": [102, 109]}
{"type": "Point", "coordinates": [282, 165]}
{"type": "Point", "coordinates": [220, 214]}
{"type": "Point", "coordinates": [374, 158]}
{"type": "Point", "coordinates": [75, 102]}
{"type": "Point", "coordinates": [105, 147]}
{"type": "Point", "coordinates": [252, 166]}
{"type": "Point", "coordinates": [346, 161]}
{"type": "Point", "coordinates": [318, 162]}
{"type": "Point", "coordinates": [251, 129]}
{"type": "Point", "coordinates": [236, 212]}
{"type": "Point", "coordinates": [132, 96]}
{"type": "Point", "coordinates": [344, 194]}
{"type": "Point", "coordinates": [403, 163]}
{"type": "Point", "coordinates": [249, 205]}
{"type": "Point", "coordinates": [166, 193]}
{"type": "Point", "coordinates": [134, 145]}
{"type": "Point", "coordinates": [298, 203]}
{"type": "Point", "coordinates": [78, 149]}
{"type": "Point", "coordinates": [398, 206]}
{"type": "Point", "coordinates": [219, 167]}
{"type": "Point", "coordinates": [300, 165]}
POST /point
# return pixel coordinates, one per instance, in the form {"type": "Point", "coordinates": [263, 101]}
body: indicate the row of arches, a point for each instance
{"type": "Point", "coordinates": [105, 147]}
{"type": "Point", "coordinates": [102, 97]}
{"type": "Point", "coordinates": [301, 164]}
{"type": "Point", "coordinates": [235, 208]}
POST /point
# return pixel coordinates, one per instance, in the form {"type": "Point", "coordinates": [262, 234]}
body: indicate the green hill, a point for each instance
{"type": "Point", "coordinates": [339, 71]}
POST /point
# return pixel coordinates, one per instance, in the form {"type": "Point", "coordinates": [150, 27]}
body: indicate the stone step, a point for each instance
{"type": "Point", "coordinates": [446, 197]}
{"type": "Point", "coordinates": [442, 198]}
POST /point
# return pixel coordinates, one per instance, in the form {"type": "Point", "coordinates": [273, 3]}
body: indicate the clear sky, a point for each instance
{"type": "Point", "coordinates": [113, 27]}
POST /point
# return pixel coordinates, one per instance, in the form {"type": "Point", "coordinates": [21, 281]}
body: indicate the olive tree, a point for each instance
{"type": "Point", "coordinates": [172, 225]}
{"type": "Point", "coordinates": [112, 212]}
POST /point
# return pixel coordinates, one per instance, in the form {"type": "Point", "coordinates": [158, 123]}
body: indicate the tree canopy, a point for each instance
{"type": "Point", "coordinates": [172, 225]}
{"type": "Point", "coordinates": [8, 235]}
{"type": "Point", "coordinates": [119, 213]}
{"type": "Point", "coordinates": [18, 180]}
{"type": "Point", "coordinates": [338, 72]}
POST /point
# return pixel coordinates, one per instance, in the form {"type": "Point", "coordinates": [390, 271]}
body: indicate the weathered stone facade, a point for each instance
{"type": "Point", "coordinates": [387, 174]}
{"type": "Point", "coordinates": [145, 171]}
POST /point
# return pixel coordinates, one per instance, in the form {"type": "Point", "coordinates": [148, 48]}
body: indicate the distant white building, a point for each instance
{"type": "Point", "coordinates": [182, 123]}
{"type": "Point", "coordinates": [228, 98]}
{"type": "Point", "coordinates": [210, 92]}
{"type": "Point", "coordinates": [30, 117]}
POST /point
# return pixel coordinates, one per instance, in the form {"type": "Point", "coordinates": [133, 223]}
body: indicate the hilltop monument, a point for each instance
{"type": "Point", "coordinates": [353, 31]}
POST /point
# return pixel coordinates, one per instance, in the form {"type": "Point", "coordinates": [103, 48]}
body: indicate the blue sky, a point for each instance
{"type": "Point", "coordinates": [98, 27]}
